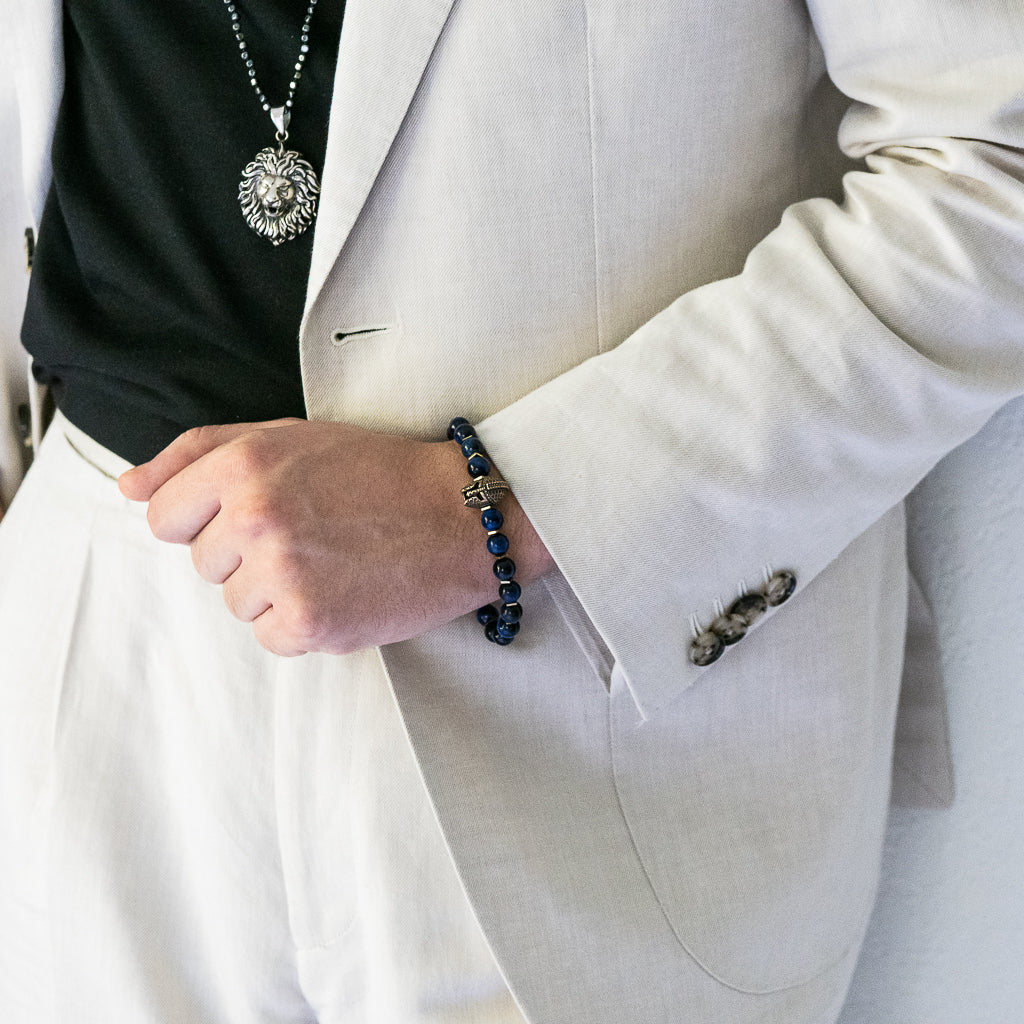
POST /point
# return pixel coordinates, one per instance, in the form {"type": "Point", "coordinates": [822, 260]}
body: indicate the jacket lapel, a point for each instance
{"type": "Point", "coordinates": [35, 53]}
{"type": "Point", "coordinates": [384, 50]}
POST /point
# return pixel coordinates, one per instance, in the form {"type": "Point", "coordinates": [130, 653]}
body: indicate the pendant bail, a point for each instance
{"type": "Point", "coordinates": [281, 116]}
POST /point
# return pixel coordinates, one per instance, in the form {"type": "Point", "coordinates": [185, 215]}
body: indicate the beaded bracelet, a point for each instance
{"type": "Point", "coordinates": [484, 493]}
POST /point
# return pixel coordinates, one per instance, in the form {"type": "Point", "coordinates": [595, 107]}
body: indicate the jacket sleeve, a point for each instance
{"type": "Point", "coordinates": [14, 218]}
{"type": "Point", "coordinates": [31, 83]}
{"type": "Point", "coordinates": [769, 419]}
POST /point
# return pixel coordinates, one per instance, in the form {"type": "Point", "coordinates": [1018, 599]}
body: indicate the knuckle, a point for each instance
{"type": "Point", "coordinates": [192, 436]}
{"type": "Point", "coordinates": [195, 439]}
{"type": "Point", "coordinates": [305, 623]}
{"type": "Point", "coordinates": [254, 516]}
{"type": "Point", "coordinates": [258, 511]}
{"type": "Point", "coordinates": [285, 565]}
{"type": "Point", "coordinates": [250, 454]}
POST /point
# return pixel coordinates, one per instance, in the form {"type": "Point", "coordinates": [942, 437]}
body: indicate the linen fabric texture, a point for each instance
{"type": "Point", "coordinates": [741, 362]}
{"type": "Point", "coordinates": [191, 828]}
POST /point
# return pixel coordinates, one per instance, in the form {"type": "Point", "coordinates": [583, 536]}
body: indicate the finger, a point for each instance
{"type": "Point", "coordinates": [272, 635]}
{"type": "Point", "coordinates": [245, 594]}
{"type": "Point", "coordinates": [215, 554]}
{"type": "Point", "coordinates": [188, 502]}
{"type": "Point", "coordinates": [140, 483]}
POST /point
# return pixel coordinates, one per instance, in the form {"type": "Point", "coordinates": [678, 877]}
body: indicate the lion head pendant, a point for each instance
{"type": "Point", "coordinates": [278, 194]}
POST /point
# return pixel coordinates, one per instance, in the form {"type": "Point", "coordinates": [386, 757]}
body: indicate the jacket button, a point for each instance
{"type": "Point", "coordinates": [750, 607]}
{"type": "Point", "coordinates": [780, 587]}
{"type": "Point", "coordinates": [729, 628]}
{"type": "Point", "coordinates": [706, 648]}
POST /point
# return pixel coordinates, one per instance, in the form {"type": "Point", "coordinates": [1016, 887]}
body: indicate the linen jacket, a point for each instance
{"type": "Point", "coordinates": [620, 239]}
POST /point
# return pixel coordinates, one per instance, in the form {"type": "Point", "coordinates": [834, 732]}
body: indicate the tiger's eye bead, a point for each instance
{"type": "Point", "coordinates": [455, 423]}
{"type": "Point", "coordinates": [731, 629]}
{"type": "Point", "coordinates": [749, 607]}
{"type": "Point", "coordinates": [499, 627]}
{"type": "Point", "coordinates": [511, 612]}
{"type": "Point", "coordinates": [492, 634]}
{"type": "Point", "coordinates": [486, 615]}
{"type": "Point", "coordinates": [507, 629]}
{"type": "Point", "coordinates": [706, 648]}
{"type": "Point", "coordinates": [497, 544]}
{"type": "Point", "coordinates": [504, 569]}
{"type": "Point", "coordinates": [780, 587]}
{"type": "Point", "coordinates": [492, 519]}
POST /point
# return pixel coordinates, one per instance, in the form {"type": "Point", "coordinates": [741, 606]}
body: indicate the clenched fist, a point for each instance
{"type": "Point", "coordinates": [327, 537]}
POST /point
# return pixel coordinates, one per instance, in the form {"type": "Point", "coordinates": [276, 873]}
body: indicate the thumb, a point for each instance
{"type": "Point", "coordinates": [142, 482]}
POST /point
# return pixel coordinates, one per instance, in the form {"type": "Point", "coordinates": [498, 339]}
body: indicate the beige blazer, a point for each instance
{"type": "Point", "coordinates": [609, 233]}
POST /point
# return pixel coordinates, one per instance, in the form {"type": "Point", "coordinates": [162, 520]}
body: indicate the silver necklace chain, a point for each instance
{"type": "Point", "coordinates": [278, 190]}
{"type": "Point", "coordinates": [247, 60]}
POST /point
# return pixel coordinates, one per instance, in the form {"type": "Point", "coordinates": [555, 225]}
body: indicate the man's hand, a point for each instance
{"type": "Point", "coordinates": [327, 537]}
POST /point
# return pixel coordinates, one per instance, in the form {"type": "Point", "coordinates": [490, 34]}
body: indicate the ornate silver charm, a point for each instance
{"type": "Point", "coordinates": [278, 193]}
{"type": "Point", "coordinates": [484, 492]}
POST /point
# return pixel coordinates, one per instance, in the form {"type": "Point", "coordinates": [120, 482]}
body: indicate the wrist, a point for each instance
{"type": "Point", "coordinates": [532, 558]}
{"type": "Point", "coordinates": [486, 492]}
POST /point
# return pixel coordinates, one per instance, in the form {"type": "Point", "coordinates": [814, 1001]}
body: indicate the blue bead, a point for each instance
{"type": "Point", "coordinates": [462, 431]}
{"type": "Point", "coordinates": [492, 519]}
{"type": "Point", "coordinates": [497, 544]}
{"type": "Point", "coordinates": [510, 592]}
{"type": "Point", "coordinates": [504, 568]}
{"type": "Point", "coordinates": [511, 612]}
{"type": "Point", "coordinates": [507, 629]}
{"type": "Point", "coordinates": [492, 634]}
{"type": "Point", "coordinates": [457, 422]}
{"type": "Point", "coordinates": [478, 466]}
{"type": "Point", "coordinates": [486, 615]}
{"type": "Point", "coordinates": [472, 446]}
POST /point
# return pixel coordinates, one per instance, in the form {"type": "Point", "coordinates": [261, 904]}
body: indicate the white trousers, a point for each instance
{"type": "Point", "coordinates": [191, 829]}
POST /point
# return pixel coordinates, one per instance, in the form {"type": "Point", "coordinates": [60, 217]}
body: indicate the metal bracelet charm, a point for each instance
{"type": "Point", "coordinates": [484, 492]}
{"type": "Point", "coordinates": [501, 625]}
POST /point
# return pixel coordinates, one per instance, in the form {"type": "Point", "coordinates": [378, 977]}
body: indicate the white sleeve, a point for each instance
{"type": "Point", "coordinates": [769, 419]}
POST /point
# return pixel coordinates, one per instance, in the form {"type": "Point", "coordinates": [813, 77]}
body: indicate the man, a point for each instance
{"type": "Point", "coordinates": [602, 236]}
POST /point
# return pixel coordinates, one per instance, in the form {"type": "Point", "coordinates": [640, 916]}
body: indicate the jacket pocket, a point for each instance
{"type": "Point", "coordinates": [580, 625]}
{"type": "Point", "coordinates": [757, 801]}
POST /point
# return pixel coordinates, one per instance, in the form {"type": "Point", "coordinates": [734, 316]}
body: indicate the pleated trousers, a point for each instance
{"type": "Point", "coordinates": [192, 829]}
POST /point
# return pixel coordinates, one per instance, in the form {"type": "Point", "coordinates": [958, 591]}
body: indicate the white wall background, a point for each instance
{"type": "Point", "coordinates": [13, 278]}
{"type": "Point", "coordinates": [946, 942]}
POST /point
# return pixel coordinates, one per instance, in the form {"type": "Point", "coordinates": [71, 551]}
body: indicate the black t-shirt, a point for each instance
{"type": "Point", "coordinates": [153, 307]}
